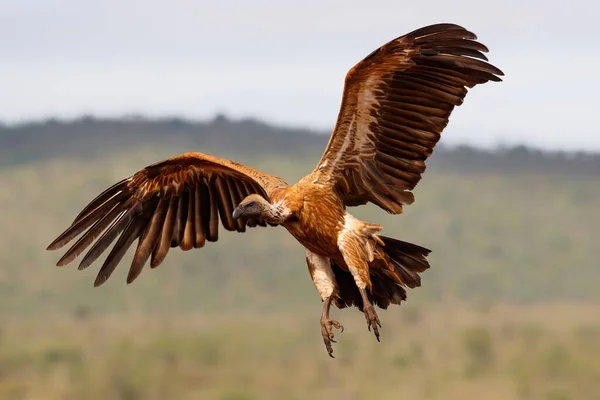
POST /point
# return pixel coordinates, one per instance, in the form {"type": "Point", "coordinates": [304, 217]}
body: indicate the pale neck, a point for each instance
{"type": "Point", "coordinates": [277, 213]}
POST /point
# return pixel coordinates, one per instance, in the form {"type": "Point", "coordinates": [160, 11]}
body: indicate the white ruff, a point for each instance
{"type": "Point", "coordinates": [280, 211]}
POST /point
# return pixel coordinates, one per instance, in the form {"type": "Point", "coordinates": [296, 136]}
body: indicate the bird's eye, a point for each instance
{"type": "Point", "coordinates": [251, 204]}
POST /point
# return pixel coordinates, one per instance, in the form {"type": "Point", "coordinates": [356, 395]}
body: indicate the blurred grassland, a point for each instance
{"type": "Point", "coordinates": [448, 352]}
{"type": "Point", "coordinates": [509, 310]}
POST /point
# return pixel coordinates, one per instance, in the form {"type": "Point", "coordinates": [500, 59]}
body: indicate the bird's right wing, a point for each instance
{"type": "Point", "coordinates": [176, 202]}
{"type": "Point", "coordinates": [396, 103]}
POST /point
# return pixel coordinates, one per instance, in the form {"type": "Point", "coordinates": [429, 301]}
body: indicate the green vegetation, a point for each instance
{"type": "Point", "coordinates": [509, 310]}
{"type": "Point", "coordinates": [452, 352]}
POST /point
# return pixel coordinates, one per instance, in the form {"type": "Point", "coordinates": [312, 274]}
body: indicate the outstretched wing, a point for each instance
{"type": "Point", "coordinates": [395, 105]}
{"type": "Point", "coordinates": [176, 202]}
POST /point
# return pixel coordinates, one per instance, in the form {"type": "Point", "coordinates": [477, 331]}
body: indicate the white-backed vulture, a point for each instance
{"type": "Point", "coordinates": [395, 105]}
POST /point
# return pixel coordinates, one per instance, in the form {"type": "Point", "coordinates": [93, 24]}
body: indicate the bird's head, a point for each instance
{"type": "Point", "coordinates": [253, 206]}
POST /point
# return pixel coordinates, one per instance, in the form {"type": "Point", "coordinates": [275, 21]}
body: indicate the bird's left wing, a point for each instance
{"type": "Point", "coordinates": [176, 202]}
{"type": "Point", "coordinates": [395, 105]}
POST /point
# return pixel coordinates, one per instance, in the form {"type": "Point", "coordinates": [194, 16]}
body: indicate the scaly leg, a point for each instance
{"type": "Point", "coordinates": [327, 325]}
{"type": "Point", "coordinates": [370, 314]}
{"type": "Point", "coordinates": [356, 243]}
{"type": "Point", "coordinates": [324, 280]}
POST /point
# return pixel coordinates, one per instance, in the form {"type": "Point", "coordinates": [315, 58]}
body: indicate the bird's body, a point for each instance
{"type": "Point", "coordinates": [396, 103]}
{"type": "Point", "coordinates": [319, 216]}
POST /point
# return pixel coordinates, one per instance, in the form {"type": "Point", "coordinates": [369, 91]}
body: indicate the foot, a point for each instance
{"type": "Point", "coordinates": [327, 326]}
{"type": "Point", "coordinates": [372, 320]}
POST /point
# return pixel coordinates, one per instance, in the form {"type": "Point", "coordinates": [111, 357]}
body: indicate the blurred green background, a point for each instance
{"type": "Point", "coordinates": [509, 310]}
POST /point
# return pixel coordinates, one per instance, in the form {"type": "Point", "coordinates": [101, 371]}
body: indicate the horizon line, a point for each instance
{"type": "Point", "coordinates": [224, 117]}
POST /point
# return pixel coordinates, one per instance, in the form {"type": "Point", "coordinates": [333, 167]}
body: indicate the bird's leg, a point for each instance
{"type": "Point", "coordinates": [327, 325]}
{"type": "Point", "coordinates": [370, 314]}
{"type": "Point", "coordinates": [355, 244]}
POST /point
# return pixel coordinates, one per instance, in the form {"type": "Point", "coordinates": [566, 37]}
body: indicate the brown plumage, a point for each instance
{"type": "Point", "coordinates": [395, 105]}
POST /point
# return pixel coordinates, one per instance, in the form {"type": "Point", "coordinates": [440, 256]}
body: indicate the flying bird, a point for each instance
{"type": "Point", "coordinates": [396, 103]}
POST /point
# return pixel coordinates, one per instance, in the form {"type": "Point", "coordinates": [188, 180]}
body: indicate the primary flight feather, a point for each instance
{"type": "Point", "coordinates": [395, 105]}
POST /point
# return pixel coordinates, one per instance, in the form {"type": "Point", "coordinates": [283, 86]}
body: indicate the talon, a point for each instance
{"type": "Point", "coordinates": [372, 321]}
{"type": "Point", "coordinates": [328, 335]}
{"type": "Point", "coordinates": [329, 348]}
{"type": "Point", "coordinates": [337, 325]}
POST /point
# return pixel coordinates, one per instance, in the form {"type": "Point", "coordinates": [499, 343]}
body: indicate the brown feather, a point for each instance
{"type": "Point", "coordinates": [180, 198]}
{"type": "Point", "coordinates": [109, 236]}
{"type": "Point", "coordinates": [166, 234]}
{"type": "Point", "coordinates": [396, 103]}
{"type": "Point", "coordinates": [433, 29]}
{"type": "Point", "coordinates": [213, 216]}
{"type": "Point", "coordinates": [130, 234]}
{"type": "Point", "coordinates": [88, 238]}
{"type": "Point", "coordinates": [462, 44]}
{"type": "Point", "coordinates": [189, 236]}
{"type": "Point", "coordinates": [224, 203]}
{"type": "Point", "coordinates": [432, 39]}
{"type": "Point", "coordinates": [149, 240]}
{"type": "Point", "coordinates": [103, 197]}
{"type": "Point", "coordinates": [82, 224]}
{"type": "Point", "coordinates": [201, 213]}
{"type": "Point", "coordinates": [180, 220]}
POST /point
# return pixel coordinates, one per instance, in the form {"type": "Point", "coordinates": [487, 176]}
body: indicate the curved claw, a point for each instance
{"type": "Point", "coordinates": [329, 348]}
{"type": "Point", "coordinates": [328, 335]}
{"type": "Point", "coordinates": [372, 321]}
{"type": "Point", "coordinates": [337, 325]}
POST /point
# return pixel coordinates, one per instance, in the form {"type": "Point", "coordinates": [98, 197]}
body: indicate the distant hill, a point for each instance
{"type": "Point", "coordinates": [89, 136]}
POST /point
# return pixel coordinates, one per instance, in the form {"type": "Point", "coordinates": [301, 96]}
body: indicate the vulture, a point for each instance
{"type": "Point", "coordinates": [396, 103]}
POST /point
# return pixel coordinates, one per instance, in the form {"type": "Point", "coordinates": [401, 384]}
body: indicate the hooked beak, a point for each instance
{"type": "Point", "coordinates": [237, 213]}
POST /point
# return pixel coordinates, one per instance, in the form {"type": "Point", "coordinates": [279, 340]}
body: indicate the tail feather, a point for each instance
{"type": "Point", "coordinates": [406, 262]}
{"type": "Point", "coordinates": [408, 259]}
{"type": "Point", "coordinates": [384, 289]}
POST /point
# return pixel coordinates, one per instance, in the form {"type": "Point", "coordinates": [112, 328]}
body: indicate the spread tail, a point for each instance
{"type": "Point", "coordinates": [405, 261]}
{"type": "Point", "coordinates": [408, 259]}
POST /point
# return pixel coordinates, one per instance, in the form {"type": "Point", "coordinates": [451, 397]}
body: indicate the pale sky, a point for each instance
{"type": "Point", "coordinates": [285, 62]}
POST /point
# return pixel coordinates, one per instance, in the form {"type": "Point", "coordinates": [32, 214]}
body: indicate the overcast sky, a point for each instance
{"type": "Point", "coordinates": [285, 63]}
